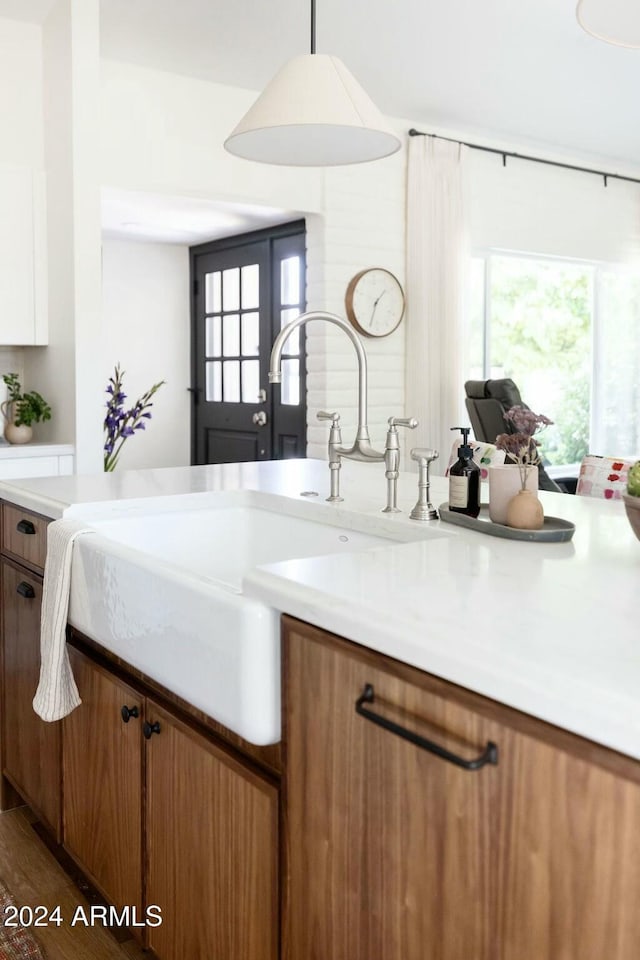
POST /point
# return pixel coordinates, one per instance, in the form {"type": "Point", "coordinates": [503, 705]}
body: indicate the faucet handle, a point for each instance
{"type": "Point", "coordinates": [335, 434]}
{"type": "Point", "coordinates": [324, 415]}
{"type": "Point", "coordinates": [424, 455]}
{"type": "Point", "coordinates": [409, 422]}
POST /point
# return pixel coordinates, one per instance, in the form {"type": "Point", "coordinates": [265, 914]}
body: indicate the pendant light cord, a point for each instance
{"type": "Point", "coordinates": [313, 26]}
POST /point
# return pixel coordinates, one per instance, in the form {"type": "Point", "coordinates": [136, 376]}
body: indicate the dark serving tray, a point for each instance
{"type": "Point", "coordinates": [554, 530]}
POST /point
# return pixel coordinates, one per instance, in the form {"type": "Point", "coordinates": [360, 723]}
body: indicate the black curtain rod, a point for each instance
{"type": "Point", "coordinates": [520, 156]}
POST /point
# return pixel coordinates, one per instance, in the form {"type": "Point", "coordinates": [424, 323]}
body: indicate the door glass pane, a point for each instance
{"type": "Point", "coordinates": [250, 287]}
{"type": "Point", "coordinates": [290, 391]}
{"type": "Point", "coordinates": [290, 280]}
{"type": "Point", "coordinates": [231, 383]}
{"type": "Point", "coordinates": [212, 293]}
{"type": "Point", "coordinates": [250, 334]}
{"type": "Point", "coordinates": [214, 380]}
{"type": "Point", "coordinates": [232, 335]}
{"type": "Point", "coordinates": [250, 380]}
{"type": "Point", "coordinates": [231, 289]}
{"type": "Point", "coordinates": [213, 347]}
{"type": "Point", "coordinates": [292, 346]}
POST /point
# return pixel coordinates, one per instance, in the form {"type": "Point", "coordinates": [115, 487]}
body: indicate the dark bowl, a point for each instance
{"type": "Point", "coordinates": [632, 506]}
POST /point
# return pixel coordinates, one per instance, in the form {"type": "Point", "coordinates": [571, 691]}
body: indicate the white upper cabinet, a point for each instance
{"type": "Point", "coordinates": [23, 261]}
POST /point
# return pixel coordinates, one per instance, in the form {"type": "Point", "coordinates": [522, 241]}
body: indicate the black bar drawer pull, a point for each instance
{"type": "Point", "coordinates": [26, 590]}
{"type": "Point", "coordinates": [25, 526]}
{"type": "Point", "coordinates": [490, 754]}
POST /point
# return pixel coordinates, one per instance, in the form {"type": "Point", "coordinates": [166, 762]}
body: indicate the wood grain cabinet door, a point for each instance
{"type": "Point", "coordinates": [394, 852]}
{"type": "Point", "coordinates": [211, 841]}
{"type": "Point", "coordinates": [102, 779]}
{"type": "Point", "coordinates": [31, 747]}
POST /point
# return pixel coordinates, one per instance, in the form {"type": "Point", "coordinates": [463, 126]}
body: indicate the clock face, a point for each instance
{"type": "Point", "coordinates": [375, 302]}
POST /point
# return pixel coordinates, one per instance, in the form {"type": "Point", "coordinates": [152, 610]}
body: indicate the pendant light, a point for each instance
{"type": "Point", "coordinates": [614, 21]}
{"type": "Point", "coordinates": [313, 113]}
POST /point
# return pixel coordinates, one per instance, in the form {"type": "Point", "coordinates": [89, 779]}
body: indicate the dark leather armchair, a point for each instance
{"type": "Point", "coordinates": [487, 401]}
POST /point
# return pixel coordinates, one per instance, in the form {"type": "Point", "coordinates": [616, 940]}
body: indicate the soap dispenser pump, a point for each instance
{"type": "Point", "coordinates": [464, 479]}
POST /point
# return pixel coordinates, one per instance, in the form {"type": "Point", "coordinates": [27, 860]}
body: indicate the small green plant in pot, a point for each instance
{"type": "Point", "coordinates": [21, 410]}
{"type": "Point", "coordinates": [632, 498]}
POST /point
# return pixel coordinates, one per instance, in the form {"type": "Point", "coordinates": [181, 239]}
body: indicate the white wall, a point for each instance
{"type": "Point", "coordinates": [362, 226]}
{"type": "Point", "coordinates": [145, 307]}
{"type": "Point", "coordinates": [549, 210]}
{"type": "Point", "coordinates": [164, 133]}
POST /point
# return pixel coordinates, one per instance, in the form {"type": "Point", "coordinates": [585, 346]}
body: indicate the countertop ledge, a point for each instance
{"type": "Point", "coordinates": [547, 628]}
{"type": "Point", "coordinates": [19, 451]}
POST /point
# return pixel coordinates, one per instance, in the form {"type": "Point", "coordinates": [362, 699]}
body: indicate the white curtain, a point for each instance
{"type": "Point", "coordinates": [437, 279]}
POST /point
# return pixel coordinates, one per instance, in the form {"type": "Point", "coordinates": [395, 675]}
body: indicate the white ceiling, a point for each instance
{"type": "Point", "coordinates": [502, 71]}
{"type": "Point", "coordinates": [518, 69]}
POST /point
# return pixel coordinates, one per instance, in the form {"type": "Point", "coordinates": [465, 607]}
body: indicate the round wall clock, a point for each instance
{"type": "Point", "coordinates": [375, 302]}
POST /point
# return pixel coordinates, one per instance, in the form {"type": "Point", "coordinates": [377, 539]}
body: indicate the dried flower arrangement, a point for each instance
{"type": "Point", "coordinates": [120, 423]}
{"type": "Point", "coordinates": [520, 446]}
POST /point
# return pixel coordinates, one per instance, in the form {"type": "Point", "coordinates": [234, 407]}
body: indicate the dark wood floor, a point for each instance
{"type": "Point", "coordinates": [34, 877]}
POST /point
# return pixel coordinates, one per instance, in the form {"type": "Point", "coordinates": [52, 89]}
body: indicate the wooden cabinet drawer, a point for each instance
{"type": "Point", "coordinates": [394, 851]}
{"type": "Point", "coordinates": [24, 535]}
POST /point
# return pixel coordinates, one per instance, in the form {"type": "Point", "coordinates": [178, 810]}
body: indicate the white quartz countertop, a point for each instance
{"type": "Point", "coordinates": [547, 628]}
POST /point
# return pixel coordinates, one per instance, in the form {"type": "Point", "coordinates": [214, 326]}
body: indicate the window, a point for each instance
{"type": "Point", "coordinates": [568, 334]}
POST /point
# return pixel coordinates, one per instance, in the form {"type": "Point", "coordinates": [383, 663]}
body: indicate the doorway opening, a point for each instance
{"type": "Point", "coordinates": [244, 290]}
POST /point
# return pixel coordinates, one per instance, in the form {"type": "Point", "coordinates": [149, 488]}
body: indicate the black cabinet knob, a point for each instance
{"type": "Point", "coordinates": [149, 729]}
{"type": "Point", "coordinates": [127, 712]}
{"type": "Point", "coordinates": [25, 590]}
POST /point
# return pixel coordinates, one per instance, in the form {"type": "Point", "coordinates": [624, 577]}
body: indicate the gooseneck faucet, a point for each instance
{"type": "Point", "coordinates": [361, 448]}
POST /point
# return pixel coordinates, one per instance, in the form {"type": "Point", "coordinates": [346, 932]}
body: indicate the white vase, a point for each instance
{"type": "Point", "coordinates": [504, 483]}
{"type": "Point", "coordinates": [15, 434]}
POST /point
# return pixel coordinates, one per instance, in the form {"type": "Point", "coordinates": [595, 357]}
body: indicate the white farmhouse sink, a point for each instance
{"type": "Point", "coordinates": [163, 590]}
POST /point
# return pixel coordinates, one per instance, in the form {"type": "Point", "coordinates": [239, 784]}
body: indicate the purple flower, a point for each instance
{"type": "Point", "coordinates": [120, 423]}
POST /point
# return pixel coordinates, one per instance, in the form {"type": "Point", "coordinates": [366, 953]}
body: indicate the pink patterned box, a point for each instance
{"type": "Point", "coordinates": [603, 477]}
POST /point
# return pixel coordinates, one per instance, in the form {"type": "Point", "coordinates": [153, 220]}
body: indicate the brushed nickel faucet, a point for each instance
{"type": "Point", "coordinates": [361, 448]}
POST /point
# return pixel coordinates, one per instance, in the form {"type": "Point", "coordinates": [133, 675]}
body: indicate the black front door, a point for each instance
{"type": "Point", "coordinates": [244, 290]}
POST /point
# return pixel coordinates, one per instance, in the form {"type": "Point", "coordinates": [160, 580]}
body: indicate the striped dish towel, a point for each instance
{"type": "Point", "coordinates": [57, 694]}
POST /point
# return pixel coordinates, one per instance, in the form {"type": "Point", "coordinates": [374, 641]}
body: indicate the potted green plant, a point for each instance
{"type": "Point", "coordinates": [21, 410]}
{"type": "Point", "coordinates": [632, 498]}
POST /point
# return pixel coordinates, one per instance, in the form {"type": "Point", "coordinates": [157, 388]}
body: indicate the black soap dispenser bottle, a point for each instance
{"type": "Point", "coordinates": [464, 479]}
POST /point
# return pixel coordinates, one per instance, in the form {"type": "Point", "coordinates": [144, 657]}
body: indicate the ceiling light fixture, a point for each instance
{"type": "Point", "coordinates": [614, 21]}
{"type": "Point", "coordinates": [313, 113]}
